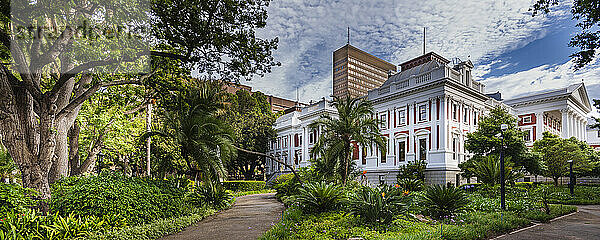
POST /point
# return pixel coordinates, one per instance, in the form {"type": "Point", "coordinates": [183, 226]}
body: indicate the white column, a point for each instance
{"type": "Point", "coordinates": [565, 123]}
{"type": "Point", "coordinates": [572, 130]}
{"type": "Point", "coordinates": [584, 129]}
{"type": "Point", "coordinates": [539, 125]}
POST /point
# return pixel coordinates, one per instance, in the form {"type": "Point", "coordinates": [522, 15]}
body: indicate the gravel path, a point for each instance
{"type": "Point", "coordinates": [250, 217]}
{"type": "Point", "coordinates": [584, 224]}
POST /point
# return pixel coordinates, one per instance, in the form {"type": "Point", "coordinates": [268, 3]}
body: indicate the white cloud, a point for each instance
{"type": "Point", "coordinates": [547, 77]}
{"type": "Point", "coordinates": [309, 31]}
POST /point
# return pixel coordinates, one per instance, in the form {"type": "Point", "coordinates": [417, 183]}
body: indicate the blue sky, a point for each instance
{"type": "Point", "coordinates": [513, 52]}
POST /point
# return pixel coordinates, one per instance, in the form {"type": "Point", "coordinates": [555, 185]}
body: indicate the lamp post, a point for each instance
{"type": "Point", "coordinates": [571, 180]}
{"type": "Point", "coordinates": [503, 127]}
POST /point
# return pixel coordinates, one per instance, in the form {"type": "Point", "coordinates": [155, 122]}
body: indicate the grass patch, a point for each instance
{"type": "Point", "coordinates": [583, 195]}
{"type": "Point", "coordinates": [555, 211]}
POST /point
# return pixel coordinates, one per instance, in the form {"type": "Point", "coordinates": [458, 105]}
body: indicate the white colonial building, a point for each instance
{"type": "Point", "coordinates": [560, 111]}
{"type": "Point", "coordinates": [426, 110]}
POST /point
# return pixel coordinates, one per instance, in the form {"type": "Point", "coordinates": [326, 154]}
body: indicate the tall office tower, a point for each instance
{"type": "Point", "coordinates": [355, 72]}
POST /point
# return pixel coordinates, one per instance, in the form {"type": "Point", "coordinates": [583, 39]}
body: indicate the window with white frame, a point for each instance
{"type": "Point", "coordinates": [381, 153]}
{"type": "Point", "coordinates": [422, 112]}
{"type": "Point", "coordinates": [455, 148]}
{"type": "Point", "coordinates": [527, 119]}
{"type": "Point", "coordinates": [455, 111]}
{"type": "Point", "coordinates": [527, 136]}
{"type": "Point", "coordinates": [422, 149]}
{"type": "Point", "coordinates": [383, 120]}
{"type": "Point", "coordinates": [466, 115]}
{"type": "Point", "coordinates": [401, 151]}
{"type": "Point", "coordinates": [402, 117]}
{"type": "Point", "coordinates": [475, 117]}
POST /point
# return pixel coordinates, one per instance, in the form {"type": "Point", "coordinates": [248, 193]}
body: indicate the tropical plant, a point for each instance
{"type": "Point", "coordinates": [378, 205]}
{"type": "Point", "coordinates": [210, 195]}
{"type": "Point", "coordinates": [487, 170]}
{"type": "Point", "coordinates": [191, 120]}
{"type": "Point", "coordinates": [320, 197]}
{"type": "Point", "coordinates": [410, 184]}
{"type": "Point", "coordinates": [441, 201]}
{"type": "Point", "coordinates": [353, 127]}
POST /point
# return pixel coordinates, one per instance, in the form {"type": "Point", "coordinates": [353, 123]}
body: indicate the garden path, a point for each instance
{"type": "Point", "coordinates": [584, 224]}
{"type": "Point", "coordinates": [249, 218]}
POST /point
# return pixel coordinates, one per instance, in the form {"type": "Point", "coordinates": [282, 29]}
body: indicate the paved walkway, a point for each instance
{"type": "Point", "coordinates": [249, 218]}
{"type": "Point", "coordinates": [582, 225]}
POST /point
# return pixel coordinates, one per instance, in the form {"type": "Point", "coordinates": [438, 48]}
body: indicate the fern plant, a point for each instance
{"type": "Point", "coordinates": [320, 197]}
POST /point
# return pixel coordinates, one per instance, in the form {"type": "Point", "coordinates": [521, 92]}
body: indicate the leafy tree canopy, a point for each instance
{"type": "Point", "coordinates": [587, 15]}
{"type": "Point", "coordinates": [557, 152]}
{"type": "Point", "coordinates": [487, 140]}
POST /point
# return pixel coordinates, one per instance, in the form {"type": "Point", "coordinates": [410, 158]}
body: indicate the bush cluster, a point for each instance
{"type": "Point", "coordinates": [244, 186]}
{"type": "Point", "coordinates": [137, 200]}
{"type": "Point", "coordinates": [14, 198]}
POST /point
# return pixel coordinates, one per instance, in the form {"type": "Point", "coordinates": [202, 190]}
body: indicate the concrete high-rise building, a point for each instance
{"type": "Point", "coordinates": [355, 72]}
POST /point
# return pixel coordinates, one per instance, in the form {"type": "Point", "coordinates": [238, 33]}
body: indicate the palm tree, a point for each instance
{"type": "Point", "coordinates": [355, 124]}
{"type": "Point", "coordinates": [191, 120]}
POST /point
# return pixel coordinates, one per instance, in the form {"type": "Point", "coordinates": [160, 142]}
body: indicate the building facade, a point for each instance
{"type": "Point", "coordinates": [355, 72]}
{"type": "Point", "coordinates": [562, 112]}
{"type": "Point", "coordinates": [426, 111]}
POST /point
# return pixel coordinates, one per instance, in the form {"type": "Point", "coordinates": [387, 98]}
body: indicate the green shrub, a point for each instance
{"type": "Point", "coordinates": [286, 185]}
{"type": "Point", "coordinates": [411, 185]}
{"type": "Point", "coordinates": [524, 184]}
{"type": "Point", "coordinates": [441, 201]}
{"type": "Point", "coordinates": [155, 229]}
{"type": "Point", "coordinates": [378, 205]}
{"type": "Point", "coordinates": [320, 197]}
{"type": "Point", "coordinates": [481, 225]}
{"type": "Point", "coordinates": [29, 225]}
{"type": "Point", "coordinates": [14, 198]}
{"type": "Point", "coordinates": [137, 200]}
{"type": "Point", "coordinates": [555, 211]}
{"type": "Point", "coordinates": [244, 186]}
{"type": "Point", "coordinates": [210, 195]}
{"type": "Point", "coordinates": [239, 194]}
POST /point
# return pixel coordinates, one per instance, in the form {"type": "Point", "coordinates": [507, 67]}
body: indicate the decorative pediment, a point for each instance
{"type": "Point", "coordinates": [579, 94]}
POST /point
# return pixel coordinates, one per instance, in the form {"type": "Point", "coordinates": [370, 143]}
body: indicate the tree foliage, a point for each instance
{"type": "Point", "coordinates": [587, 15]}
{"type": "Point", "coordinates": [557, 152]}
{"type": "Point", "coordinates": [252, 121]}
{"type": "Point", "coordinates": [49, 71]}
{"type": "Point", "coordinates": [191, 120]}
{"type": "Point", "coordinates": [488, 138]}
{"type": "Point", "coordinates": [353, 124]}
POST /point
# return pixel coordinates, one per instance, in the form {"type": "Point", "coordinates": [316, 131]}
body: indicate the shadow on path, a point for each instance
{"type": "Point", "coordinates": [250, 217]}
{"type": "Point", "coordinates": [582, 225]}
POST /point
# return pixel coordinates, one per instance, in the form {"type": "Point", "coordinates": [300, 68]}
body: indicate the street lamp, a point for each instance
{"type": "Point", "coordinates": [503, 128]}
{"type": "Point", "coordinates": [571, 180]}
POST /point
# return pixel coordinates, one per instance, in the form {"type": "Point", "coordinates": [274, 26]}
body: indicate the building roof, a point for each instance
{"type": "Point", "coordinates": [576, 92]}
{"type": "Point", "coordinates": [416, 70]}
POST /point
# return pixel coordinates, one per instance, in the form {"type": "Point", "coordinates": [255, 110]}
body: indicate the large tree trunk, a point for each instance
{"type": "Point", "coordinates": [74, 162]}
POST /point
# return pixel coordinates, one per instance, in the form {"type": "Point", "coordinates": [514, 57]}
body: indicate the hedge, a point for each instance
{"type": "Point", "coordinates": [244, 186]}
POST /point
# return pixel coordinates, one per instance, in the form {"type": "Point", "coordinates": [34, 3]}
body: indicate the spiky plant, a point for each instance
{"type": "Point", "coordinates": [441, 201]}
{"type": "Point", "coordinates": [320, 197]}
